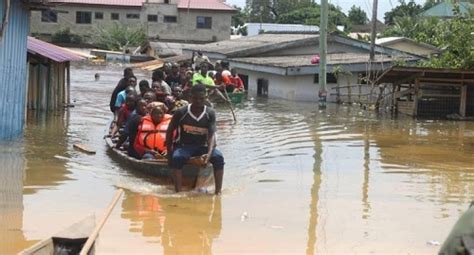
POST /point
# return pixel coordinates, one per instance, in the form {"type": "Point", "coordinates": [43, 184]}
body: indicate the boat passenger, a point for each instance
{"type": "Point", "coordinates": [150, 140]}
{"type": "Point", "coordinates": [122, 84]}
{"type": "Point", "coordinates": [132, 82]}
{"type": "Point", "coordinates": [237, 81]}
{"type": "Point", "coordinates": [131, 128]}
{"type": "Point", "coordinates": [196, 129]}
{"type": "Point", "coordinates": [150, 96]}
{"type": "Point", "coordinates": [124, 112]}
{"type": "Point", "coordinates": [200, 59]}
{"type": "Point", "coordinates": [174, 78]}
{"type": "Point", "coordinates": [162, 97]}
{"type": "Point", "coordinates": [224, 82]}
{"type": "Point", "coordinates": [144, 86]}
{"type": "Point", "coordinates": [178, 101]}
{"type": "Point", "coordinates": [202, 76]}
{"type": "Point", "coordinates": [158, 78]}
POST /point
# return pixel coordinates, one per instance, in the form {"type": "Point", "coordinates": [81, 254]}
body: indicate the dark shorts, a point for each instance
{"type": "Point", "coordinates": [184, 153]}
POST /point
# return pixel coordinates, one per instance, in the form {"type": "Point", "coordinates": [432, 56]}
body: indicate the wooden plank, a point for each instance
{"type": "Point", "coordinates": [403, 93]}
{"type": "Point", "coordinates": [425, 95]}
{"type": "Point", "coordinates": [446, 80]}
{"type": "Point", "coordinates": [83, 148]}
{"type": "Point", "coordinates": [415, 101]}
{"type": "Point", "coordinates": [463, 104]}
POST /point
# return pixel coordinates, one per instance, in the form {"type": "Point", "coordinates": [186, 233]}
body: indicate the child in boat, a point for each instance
{"type": "Point", "coordinates": [131, 128]}
{"type": "Point", "coordinates": [158, 78]}
{"type": "Point", "coordinates": [178, 101]}
{"type": "Point", "coordinates": [150, 140]}
{"type": "Point", "coordinates": [162, 97]}
{"type": "Point", "coordinates": [124, 112]}
{"type": "Point", "coordinates": [132, 82]}
{"type": "Point", "coordinates": [196, 128]}
{"type": "Point", "coordinates": [150, 96]}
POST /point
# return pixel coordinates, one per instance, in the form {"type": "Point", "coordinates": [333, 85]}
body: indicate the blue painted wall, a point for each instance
{"type": "Point", "coordinates": [13, 71]}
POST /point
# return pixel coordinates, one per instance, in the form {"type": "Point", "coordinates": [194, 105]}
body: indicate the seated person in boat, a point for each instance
{"type": "Point", "coordinates": [144, 86]}
{"type": "Point", "coordinates": [131, 128]}
{"type": "Point", "coordinates": [196, 128]}
{"type": "Point", "coordinates": [132, 82]}
{"type": "Point", "coordinates": [174, 78]}
{"type": "Point", "coordinates": [178, 101]}
{"type": "Point", "coordinates": [224, 82]}
{"type": "Point", "coordinates": [237, 81]}
{"type": "Point", "coordinates": [150, 96]}
{"type": "Point", "coordinates": [158, 79]}
{"type": "Point", "coordinates": [150, 140]}
{"type": "Point", "coordinates": [124, 112]}
{"type": "Point", "coordinates": [122, 84]}
{"type": "Point", "coordinates": [162, 97]}
{"type": "Point", "coordinates": [203, 77]}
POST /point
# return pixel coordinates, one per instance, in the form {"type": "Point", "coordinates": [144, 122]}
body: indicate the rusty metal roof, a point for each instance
{"type": "Point", "coordinates": [51, 51]}
{"type": "Point", "coordinates": [216, 5]}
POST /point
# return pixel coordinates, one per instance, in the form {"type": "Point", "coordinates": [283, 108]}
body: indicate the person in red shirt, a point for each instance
{"type": "Point", "coordinates": [238, 83]}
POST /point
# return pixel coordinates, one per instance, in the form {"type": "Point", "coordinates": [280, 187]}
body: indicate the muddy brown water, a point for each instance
{"type": "Point", "coordinates": [297, 180]}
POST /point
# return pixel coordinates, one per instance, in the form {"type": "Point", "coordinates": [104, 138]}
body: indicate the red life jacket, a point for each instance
{"type": "Point", "coordinates": [150, 136]}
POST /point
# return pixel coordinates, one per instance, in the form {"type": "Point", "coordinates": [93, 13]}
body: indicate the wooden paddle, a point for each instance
{"type": "Point", "coordinates": [228, 102]}
{"type": "Point", "coordinates": [90, 241]}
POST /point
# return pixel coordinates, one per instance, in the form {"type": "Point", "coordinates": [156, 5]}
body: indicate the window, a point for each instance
{"type": "Point", "coordinates": [167, 1]}
{"type": "Point", "coordinates": [49, 16]}
{"type": "Point", "coordinates": [170, 19]}
{"type": "Point", "coordinates": [262, 87]}
{"type": "Point", "coordinates": [99, 15]}
{"type": "Point", "coordinates": [152, 18]}
{"type": "Point", "coordinates": [133, 16]}
{"type": "Point", "coordinates": [114, 16]}
{"type": "Point", "coordinates": [330, 78]}
{"type": "Point", "coordinates": [204, 22]}
{"type": "Point", "coordinates": [83, 17]}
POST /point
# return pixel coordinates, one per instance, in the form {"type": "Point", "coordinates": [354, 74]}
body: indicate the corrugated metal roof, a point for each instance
{"type": "Point", "coordinates": [205, 5]}
{"type": "Point", "coordinates": [446, 9]}
{"type": "Point", "coordinates": [216, 5]}
{"type": "Point", "coordinates": [134, 3]}
{"type": "Point", "coordinates": [51, 51]}
{"type": "Point", "coordinates": [13, 70]}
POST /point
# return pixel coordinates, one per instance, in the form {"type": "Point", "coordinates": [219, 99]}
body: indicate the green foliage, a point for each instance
{"type": "Point", "coordinates": [311, 16]}
{"type": "Point", "coordinates": [357, 16]}
{"type": "Point", "coordinates": [453, 36]}
{"type": "Point", "coordinates": [65, 36]}
{"type": "Point", "coordinates": [270, 11]}
{"type": "Point", "coordinates": [118, 37]}
{"type": "Point", "coordinates": [241, 17]}
{"type": "Point", "coordinates": [410, 9]}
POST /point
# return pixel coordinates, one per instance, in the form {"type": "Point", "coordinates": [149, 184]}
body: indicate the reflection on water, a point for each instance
{"type": "Point", "coordinates": [186, 226]}
{"type": "Point", "coordinates": [335, 181]}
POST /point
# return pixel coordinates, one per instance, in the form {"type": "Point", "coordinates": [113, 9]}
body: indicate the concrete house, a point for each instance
{"type": "Point", "coordinates": [408, 45]}
{"type": "Point", "coordinates": [166, 20]}
{"type": "Point", "coordinates": [279, 65]}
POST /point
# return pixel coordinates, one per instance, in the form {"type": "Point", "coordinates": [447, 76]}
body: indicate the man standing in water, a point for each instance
{"type": "Point", "coordinates": [196, 129]}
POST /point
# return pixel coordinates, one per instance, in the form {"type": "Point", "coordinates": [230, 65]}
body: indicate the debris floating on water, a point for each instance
{"type": "Point", "coordinates": [244, 216]}
{"type": "Point", "coordinates": [270, 180]}
{"type": "Point", "coordinates": [433, 243]}
{"type": "Point", "coordinates": [83, 148]}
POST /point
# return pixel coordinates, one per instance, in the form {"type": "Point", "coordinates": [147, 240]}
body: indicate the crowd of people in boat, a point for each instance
{"type": "Point", "coordinates": [172, 118]}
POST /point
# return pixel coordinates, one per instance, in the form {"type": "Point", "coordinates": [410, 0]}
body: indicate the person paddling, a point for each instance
{"type": "Point", "coordinates": [195, 126]}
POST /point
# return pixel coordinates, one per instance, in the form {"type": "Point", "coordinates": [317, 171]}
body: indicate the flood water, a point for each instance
{"type": "Point", "coordinates": [297, 181]}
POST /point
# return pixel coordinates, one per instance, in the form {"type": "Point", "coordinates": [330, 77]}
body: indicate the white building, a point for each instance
{"type": "Point", "coordinates": [279, 65]}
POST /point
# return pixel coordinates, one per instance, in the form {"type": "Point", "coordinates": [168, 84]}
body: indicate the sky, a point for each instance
{"type": "Point", "coordinates": [383, 5]}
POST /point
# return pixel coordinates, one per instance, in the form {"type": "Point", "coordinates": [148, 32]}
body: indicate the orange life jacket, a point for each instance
{"type": "Point", "coordinates": [150, 136]}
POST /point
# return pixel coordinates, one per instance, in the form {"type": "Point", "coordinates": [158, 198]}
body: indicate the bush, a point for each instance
{"type": "Point", "coordinates": [118, 37]}
{"type": "Point", "coordinates": [65, 36]}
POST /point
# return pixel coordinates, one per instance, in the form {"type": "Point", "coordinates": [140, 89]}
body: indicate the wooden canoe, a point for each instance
{"type": "Point", "coordinates": [68, 241]}
{"type": "Point", "coordinates": [193, 175]}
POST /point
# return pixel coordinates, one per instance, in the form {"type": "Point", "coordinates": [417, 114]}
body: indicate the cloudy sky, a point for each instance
{"type": "Point", "coordinates": [366, 5]}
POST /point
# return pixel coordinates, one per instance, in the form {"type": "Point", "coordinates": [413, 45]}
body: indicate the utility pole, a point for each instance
{"type": "Point", "coordinates": [323, 30]}
{"type": "Point", "coordinates": [373, 30]}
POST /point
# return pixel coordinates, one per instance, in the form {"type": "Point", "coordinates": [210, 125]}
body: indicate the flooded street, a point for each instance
{"type": "Point", "coordinates": [297, 181]}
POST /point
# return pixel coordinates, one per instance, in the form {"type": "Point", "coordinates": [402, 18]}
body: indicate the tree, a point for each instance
{"type": "Point", "coordinates": [311, 16]}
{"type": "Point", "coordinates": [119, 37]}
{"type": "Point", "coordinates": [410, 9]}
{"type": "Point", "coordinates": [240, 18]}
{"type": "Point", "coordinates": [271, 10]}
{"type": "Point", "coordinates": [357, 16]}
